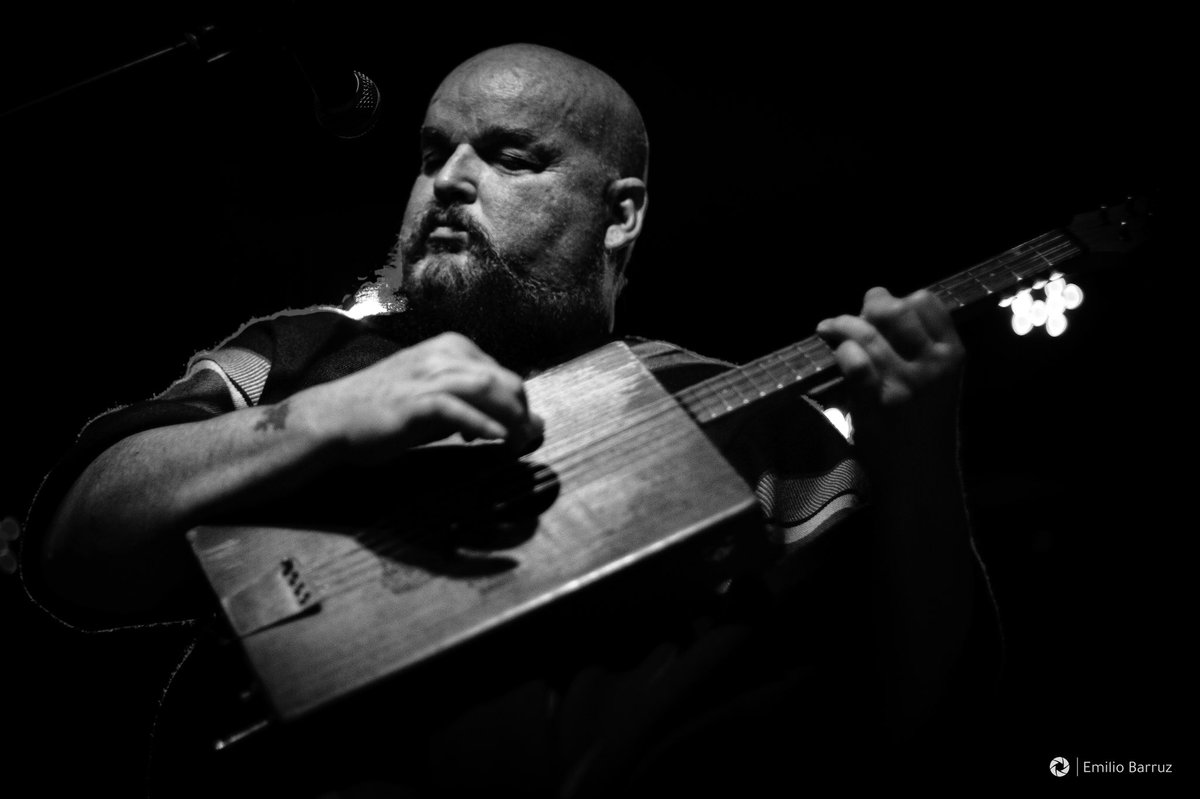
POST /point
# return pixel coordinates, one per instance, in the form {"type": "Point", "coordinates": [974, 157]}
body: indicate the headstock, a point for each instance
{"type": "Point", "coordinates": [1113, 229]}
{"type": "Point", "coordinates": [1108, 230]}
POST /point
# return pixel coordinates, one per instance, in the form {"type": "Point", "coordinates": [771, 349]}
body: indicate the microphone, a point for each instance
{"type": "Point", "coordinates": [345, 100]}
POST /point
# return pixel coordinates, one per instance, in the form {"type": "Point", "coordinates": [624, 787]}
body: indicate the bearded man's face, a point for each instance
{"type": "Point", "coordinates": [504, 229]}
{"type": "Point", "coordinates": [452, 276]}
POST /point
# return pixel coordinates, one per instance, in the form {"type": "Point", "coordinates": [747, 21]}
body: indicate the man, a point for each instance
{"type": "Point", "coordinates": [517, 235]}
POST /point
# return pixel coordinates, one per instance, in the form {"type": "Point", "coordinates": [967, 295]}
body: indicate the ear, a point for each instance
{"type": "Point", "coordinates": [626, 200]}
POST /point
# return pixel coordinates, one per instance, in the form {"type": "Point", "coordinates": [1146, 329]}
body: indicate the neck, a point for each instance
{"type": "Point", "coordinates": [809, 366]}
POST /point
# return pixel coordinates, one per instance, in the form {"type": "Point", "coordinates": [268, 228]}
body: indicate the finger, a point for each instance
{"type": "Point", "coordinates": [934, 316]}
{"type": "Point", "coordinates": [858, 369]}
{"type": "Point", "coordinates": [845, 328]}
{"type": "Point", "coordinates": [494, 391]}
{"type": "Point", "coordinates": [456, 345]}
{"type": "Point", "coordinates": [458, 354]}
{"type": "Point", "coordinates": [434, 416]}
{"type": "Point", "coordinates": [899, 322]}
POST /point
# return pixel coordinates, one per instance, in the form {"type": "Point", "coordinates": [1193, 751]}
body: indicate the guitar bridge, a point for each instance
{"type": "Point", "coordinates": [280, 594]}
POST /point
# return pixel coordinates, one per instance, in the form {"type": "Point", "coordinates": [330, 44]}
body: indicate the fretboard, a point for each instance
{"type": "Point", "coordinates": [810, 364]}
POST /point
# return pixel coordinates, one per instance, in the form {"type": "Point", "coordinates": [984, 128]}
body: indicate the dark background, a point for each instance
{"type": "Point", "coordinates": [793, 166]}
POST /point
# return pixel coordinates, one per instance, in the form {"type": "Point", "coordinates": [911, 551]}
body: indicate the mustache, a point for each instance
{"type": "Point", "coordinates": [446, 216]}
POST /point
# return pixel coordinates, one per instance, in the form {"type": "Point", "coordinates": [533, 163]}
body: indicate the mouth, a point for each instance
{"type": "Point", "coordinates": [446, 239]}
{"type": "Point", "coordinates": [446, 234]}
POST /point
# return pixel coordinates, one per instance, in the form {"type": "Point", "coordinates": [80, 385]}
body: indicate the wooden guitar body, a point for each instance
{"type": "Point", "coordinates": [623, 474]}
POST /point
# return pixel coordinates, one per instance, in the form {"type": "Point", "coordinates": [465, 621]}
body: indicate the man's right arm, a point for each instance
{"type": "Point", "coordinates": [115, 544]}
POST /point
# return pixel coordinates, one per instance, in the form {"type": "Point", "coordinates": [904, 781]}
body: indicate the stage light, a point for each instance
{"type": "Point", "coordinates": [1022, 303]}
{"type": "Point", "coordinates": [1047, 308]}
{"type": "Point", "coordinates": [842, 422]}
{"type": "Point", "coordinates": [366, 306]}
{"type": "Point", "coordinates": [1038, 313]}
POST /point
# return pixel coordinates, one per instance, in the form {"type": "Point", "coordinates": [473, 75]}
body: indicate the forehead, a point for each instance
{"type": "Point", "coordinates": [479, 97]}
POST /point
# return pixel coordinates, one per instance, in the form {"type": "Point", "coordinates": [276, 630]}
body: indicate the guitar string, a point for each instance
{"type": "Point", "coordinates": [729, 380]}
{"type": "Point", "coordinates": [951, 287]}
{"type": "Point", "coordinates": [548, 477]}
{"type": "Point", "coordinates": [976, 275]}
{"type": "Point", "coordinates": [574, 462]}
{"type": "Point", "coordinates": [543, 480]}
{"type": "Point", "coordinates": [580, 449]}
{"type": "Point", "coordinates": [577, 459]}
{"type": "Point", "coordinates": [388, 544]}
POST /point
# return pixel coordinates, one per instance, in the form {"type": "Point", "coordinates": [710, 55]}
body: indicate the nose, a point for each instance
{"type": "Point", "coordinates": [457, 182]}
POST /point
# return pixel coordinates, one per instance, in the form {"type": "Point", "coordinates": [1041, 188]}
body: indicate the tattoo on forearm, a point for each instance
{"type": "Point", "coordinates": [274, 418]}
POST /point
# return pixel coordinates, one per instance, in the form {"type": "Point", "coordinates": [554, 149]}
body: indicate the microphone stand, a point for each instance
{"type": "Point", "coordinates": [207, 43]}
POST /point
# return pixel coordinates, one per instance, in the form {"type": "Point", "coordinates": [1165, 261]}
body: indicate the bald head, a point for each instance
{"type": "Point", "coordinates": [530, 197]}
{"type": "Point", "coordinates": [592, 107]}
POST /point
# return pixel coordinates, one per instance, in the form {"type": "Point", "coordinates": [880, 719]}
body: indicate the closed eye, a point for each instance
{"type": "Point", "coordinates": [435, 149]}
{"type": "Point", "coordinates": [517, 160]}
{"type": "Point", "coordinates": [432, 159]}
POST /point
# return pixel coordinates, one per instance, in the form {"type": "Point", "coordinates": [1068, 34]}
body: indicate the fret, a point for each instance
{"type": "Point", "coordinates": [783, 373]}
{"type": "Point", "coordinates": [712, 410]}
{"type": "Point", "coordinates": [977, 290]}
{"type": "Point", "coordinates": [814, 355]}
{"type": "Point", "coordinates": [732, 390]}
{"type": "Point", "coordinates": [998, 277]}
{"type": "Point", "coordinates": [737, 390]}
{"type": "Point", "coordinates": [721, 394]}
{"type": "Point", "coordinates": [947, 295]}
{"type": "Point", "coordinates": [775, 379]}
{"type": "Point", "coordinates": [798, 363]}
{"type": "Point", "coordinates": [706, 405]}
{"type": "Point", "coordinates": [697, 401]}
{"type": "Point", "coordinates": [799, 366]}
{"type": "Point", "coordinates": [779, 368]}
{"type": "Point", "coordinates": [996, 274]}
{"type": "Point", "coordinates": [793, 370]}
{"type": "Point", "coordinates": [823, 356]}
{"type": "Point", "coordinates": [1006, 270]}
{"type": "Point", "coordinates": [1020, 267]}
{"type": "Point", "coordinates": [1063, 252]}
{"type": "Point", "coordinates": [762, 389]}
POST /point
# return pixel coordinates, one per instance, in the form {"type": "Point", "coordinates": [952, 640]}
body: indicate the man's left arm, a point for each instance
{"type": "Point", "coordinates": [902, 360]}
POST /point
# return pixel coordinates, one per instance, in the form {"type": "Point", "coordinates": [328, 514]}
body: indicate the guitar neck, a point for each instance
{"type": "Point", "coordinates": [810, 365]}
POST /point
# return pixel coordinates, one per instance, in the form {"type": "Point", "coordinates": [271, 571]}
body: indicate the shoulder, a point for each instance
{"type": "Point", "coordinates": [271, 357]}
{"type": "Point", "coordinates": [292, 327]}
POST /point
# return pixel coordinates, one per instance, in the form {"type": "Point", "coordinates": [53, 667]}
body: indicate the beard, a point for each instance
{"type": "Point", "coordinates": [524, 321]}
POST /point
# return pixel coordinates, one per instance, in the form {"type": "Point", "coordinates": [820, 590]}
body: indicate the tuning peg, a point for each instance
{"type": "Point", "coordinates": [1104, 220]}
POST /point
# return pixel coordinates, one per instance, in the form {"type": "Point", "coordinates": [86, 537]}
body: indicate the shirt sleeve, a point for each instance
{"type": "Point", "coordinates": [266, 360]}
{"type": "Point", "coordinates": [224, 379]}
